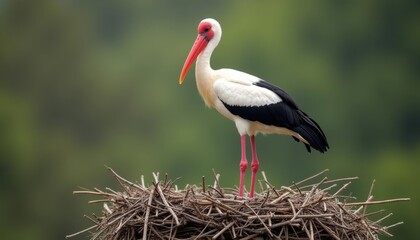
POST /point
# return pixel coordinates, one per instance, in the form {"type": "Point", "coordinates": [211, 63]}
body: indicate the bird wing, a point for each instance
{"type": "Point", "coordinates": [268, 104]}
{"type": "Point", "coordinates": [244, 94]}
{"type": "Point", "coordinates": [258, 101]}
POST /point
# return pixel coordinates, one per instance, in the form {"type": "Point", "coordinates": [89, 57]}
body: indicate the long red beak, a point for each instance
{"type": "Point", "coordinates": [199, 44]}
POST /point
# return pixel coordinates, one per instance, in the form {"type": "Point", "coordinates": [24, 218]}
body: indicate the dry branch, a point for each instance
{"type": "Point", "coordinates": [163, 212]}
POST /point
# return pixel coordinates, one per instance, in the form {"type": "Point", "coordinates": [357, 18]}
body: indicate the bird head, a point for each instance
{"type": "Point", "coordinates": [209, 33]}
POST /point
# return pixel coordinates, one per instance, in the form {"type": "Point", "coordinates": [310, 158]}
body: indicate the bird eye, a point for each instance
{"type": "Point", "coordinates": [206, 29]}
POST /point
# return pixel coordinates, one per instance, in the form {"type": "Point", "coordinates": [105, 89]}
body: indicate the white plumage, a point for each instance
{"type": "Point", "coordinates": [243, 93]}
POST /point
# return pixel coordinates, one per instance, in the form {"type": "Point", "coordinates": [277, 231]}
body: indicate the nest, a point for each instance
{"type": "Point", "coordinates": [303, 210]}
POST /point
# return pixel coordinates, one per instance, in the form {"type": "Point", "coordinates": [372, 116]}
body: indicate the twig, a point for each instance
{"type": "Point", "coordinates": [162, 196]}
{"type": "Point", "coordinates": [312, 177]}
{"type": "Point", "coordinates": [216, 179]}
{"type": "Point", "coordinates": [83, 231]}
{"type": "Point", "coordinates": [203, 185]}
{"type": "Point", "coordinates": [393, 225]}
{"type": "Point", "coordinates": [272, 216]}
{"type": "Point", "coordinates": [280, 198]}
{"type": "Point", "coordinates": [370, 196]}
{"type": "Point", "coordinates": [119, 178]}
{"type": "Point", "coordinates": [269, 185]}
{"type": "Point", "coordinates": [262, 222]}
{"type": "Point", "coordinates": [341, 189]}
{"type": "Point", "coordinates": [223, 230]}
{"type": "Point", "coordinates": [146, 218]}
{"type": "Point", "coordinates": [142, 181]}
{"type": "Point", "coordinates": [380, 220]}
{"type": "Point", "coordinates": [327, 229]}
{"type": "Point", "coordinates": [265, 179]}
{"type": "Point", "coordinates": [377, 202]}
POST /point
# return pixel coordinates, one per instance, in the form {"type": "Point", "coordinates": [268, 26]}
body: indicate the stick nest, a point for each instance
{"type": "Point", "coordinates": [303, 210]}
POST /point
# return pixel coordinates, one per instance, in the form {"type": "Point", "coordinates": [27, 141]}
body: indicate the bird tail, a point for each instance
{"type": "Point", "coordinates": [312, 133]}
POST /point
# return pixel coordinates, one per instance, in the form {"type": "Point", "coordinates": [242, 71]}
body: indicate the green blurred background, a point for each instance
{"type": "Point", "coordinates": [91, 83]}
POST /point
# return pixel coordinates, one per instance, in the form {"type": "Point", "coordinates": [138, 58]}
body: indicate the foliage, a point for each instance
{"type": "Point", "coordinates": [88, 83]}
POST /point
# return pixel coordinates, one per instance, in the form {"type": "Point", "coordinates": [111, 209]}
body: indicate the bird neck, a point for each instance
{"type": "Point", "coordinates": [204, 76]}
{"type": "Point", "coordinates": [203, 60]}
{"type": "Point", "coordinates": [202, 67]}
{"type": "Point", "coordinates": [203, 70]}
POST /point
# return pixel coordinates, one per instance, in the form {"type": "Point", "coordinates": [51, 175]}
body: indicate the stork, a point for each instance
{"type": "Point", "coordinates": [254, 105]}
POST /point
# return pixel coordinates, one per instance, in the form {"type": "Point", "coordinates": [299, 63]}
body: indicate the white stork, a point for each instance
{"type": "Point", "coordinates": [252, 103]}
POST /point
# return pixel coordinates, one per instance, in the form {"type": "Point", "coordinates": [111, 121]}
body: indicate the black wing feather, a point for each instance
{"type": "Point", "coordinates": [285, 114]}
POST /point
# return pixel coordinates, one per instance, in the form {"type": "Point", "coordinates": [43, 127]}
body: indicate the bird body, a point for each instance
{"type": "Point", "coordinates": [254, 105]}
{"type": "Point", "coordinates": [229, 90]}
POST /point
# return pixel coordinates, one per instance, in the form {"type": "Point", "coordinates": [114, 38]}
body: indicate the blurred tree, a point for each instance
{"type": "Point", "coordinates": [88, 83]}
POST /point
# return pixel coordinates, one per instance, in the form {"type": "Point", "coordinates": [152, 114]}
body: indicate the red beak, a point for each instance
{"type": "Point", "coordinates": [199, 44]}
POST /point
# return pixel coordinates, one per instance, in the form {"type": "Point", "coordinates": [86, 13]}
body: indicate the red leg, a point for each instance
{"type": "Point", "coordinates": [254, 166]}
{"type": "Point", "coordinates": [242, 166]}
